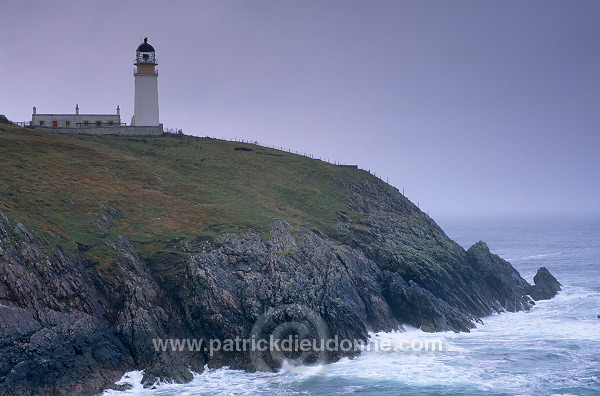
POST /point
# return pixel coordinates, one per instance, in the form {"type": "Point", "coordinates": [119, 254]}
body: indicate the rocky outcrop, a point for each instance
{"type": "Point", "coordinates": [55, 330]}
{"type": "Point", "coordinates": [66, 328]}
{"type": "Point", "coordinates": [545, 285]}
{"type": "Point", "coordinates": [68, 325]}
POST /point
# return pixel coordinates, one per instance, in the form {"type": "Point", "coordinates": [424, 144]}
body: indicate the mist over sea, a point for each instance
{"type": "Point", "coordinates": [553, 349]}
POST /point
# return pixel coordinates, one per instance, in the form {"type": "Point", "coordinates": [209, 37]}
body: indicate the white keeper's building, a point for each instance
{"type": "Point", "coordinates": [76, 120]}
{"type": "Point", "coordinates": [145, 120]}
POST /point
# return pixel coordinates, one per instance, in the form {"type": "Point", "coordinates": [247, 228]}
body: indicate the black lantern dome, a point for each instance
{"type": "Point", "coordinates": [145, 54]}
{"type": "Point", "coordinates": [145, 47]}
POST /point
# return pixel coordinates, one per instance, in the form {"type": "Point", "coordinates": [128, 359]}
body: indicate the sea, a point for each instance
{"type": "Point", "coordinates": [554, 349]}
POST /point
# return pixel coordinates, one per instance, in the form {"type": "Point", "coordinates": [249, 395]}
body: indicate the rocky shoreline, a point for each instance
{"type": "Point", "coordinates": [69, 327]}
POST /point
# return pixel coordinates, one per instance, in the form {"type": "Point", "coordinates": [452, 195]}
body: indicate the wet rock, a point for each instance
{"type": "Point", "coordinates": [70, 327]}
{"type": "Point", "coordinates": [545, 285]}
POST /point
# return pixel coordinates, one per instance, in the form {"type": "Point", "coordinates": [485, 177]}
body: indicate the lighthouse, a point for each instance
{"type": "Point", "coordinates": [145, 111]}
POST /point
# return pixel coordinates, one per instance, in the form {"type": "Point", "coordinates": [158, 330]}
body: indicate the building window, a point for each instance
{"type": "Point", "coordinates": [67, 124]}
{"type": "Point", "coordinates": [98, 123]}
{"type": "Point", "coordinates": [54, 124]}
{"type": "Point", "coordinates": [86, 123]}
{"type": "Point", "coordinates": [41, 123]}
{"type": "Point", "coordinates": [111, 123]}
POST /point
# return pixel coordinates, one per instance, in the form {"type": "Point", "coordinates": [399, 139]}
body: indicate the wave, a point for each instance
{"type": "Point", "coordinates": [131, 379]}
{"type": "Point", "coordinates": [223, 381]}
{"type": "Point", "coordinates": [552, 349]}
{"type": "Point", "coordinates": [534, 257]}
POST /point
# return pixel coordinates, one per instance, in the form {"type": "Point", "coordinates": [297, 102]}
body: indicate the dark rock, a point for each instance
{"type": "Point", "coordinates": [65, 329]}
{"type": "Point", "coordinates": [545, 285]}
{"type": "Point", "coordinates": [24, 233]}
{"type": "Point", "coordinates": [55, 352]}
{"type": "Point", "coordinates": [69, 327]}
{"type": "Point", "coordinates": [499, 283]}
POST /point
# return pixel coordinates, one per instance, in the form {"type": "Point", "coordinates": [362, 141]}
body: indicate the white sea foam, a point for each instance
{"type": "Point", "coordinates": [211, 382]}
{"type": "Point", "coordinates": [133, 379]}
{"type": "Point", "coordinates": [306, 370]}
{"type": "Point", "coordinates": [513, 353]}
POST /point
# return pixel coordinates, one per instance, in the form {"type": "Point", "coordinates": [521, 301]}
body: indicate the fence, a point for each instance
{"type": "Point", "coordinates": [257, 143]}
{"type": "Point", "coordinates": [281, 148]}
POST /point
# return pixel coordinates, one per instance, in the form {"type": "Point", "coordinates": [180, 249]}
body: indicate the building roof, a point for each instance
{"type": "Point", "coordinates": [77, 115]}
{"type": "Point", "coordinates": [145, 47]}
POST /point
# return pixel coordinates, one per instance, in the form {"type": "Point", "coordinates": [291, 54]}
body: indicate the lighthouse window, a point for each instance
{"type": "Point", "coordinates": [146, 56]}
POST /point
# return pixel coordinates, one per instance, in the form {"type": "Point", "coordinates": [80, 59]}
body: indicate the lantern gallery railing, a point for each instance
{"type": "Point", "coordinates": [144, 58]}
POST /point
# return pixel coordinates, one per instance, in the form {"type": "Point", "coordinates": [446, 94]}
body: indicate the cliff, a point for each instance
{"type": "Point", "coordinates": [110, 243]}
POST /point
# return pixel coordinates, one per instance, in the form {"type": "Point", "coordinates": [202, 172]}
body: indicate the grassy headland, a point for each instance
{"type": "Point", "coordinates": [79, 190]}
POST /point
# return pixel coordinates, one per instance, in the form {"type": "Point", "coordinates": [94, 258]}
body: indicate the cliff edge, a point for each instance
{"type": "Point", "coordinates": [108, 244]}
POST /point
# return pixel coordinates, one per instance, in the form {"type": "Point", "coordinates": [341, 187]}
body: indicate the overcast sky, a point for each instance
{"type": "Point", "coordinates": [472, 107]}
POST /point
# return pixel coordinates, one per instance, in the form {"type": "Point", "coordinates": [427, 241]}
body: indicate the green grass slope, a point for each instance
{"type": "Point", "coordinates": [79, 190]}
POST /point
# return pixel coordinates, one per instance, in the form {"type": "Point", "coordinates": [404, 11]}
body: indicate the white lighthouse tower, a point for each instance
{"type": "Point", "coordinates": [146, 87]}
